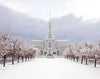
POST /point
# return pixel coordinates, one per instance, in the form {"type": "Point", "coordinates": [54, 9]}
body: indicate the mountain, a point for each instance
{"type": "Point", "coordinates": [66, 27]}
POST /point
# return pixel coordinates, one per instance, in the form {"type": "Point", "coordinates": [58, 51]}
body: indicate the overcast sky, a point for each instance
{"type": "Point", "coordinates": [88, 9]}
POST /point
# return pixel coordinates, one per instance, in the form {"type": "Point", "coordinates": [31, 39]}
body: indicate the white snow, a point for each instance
{"type": "Point", "coordinates": [44, 68]}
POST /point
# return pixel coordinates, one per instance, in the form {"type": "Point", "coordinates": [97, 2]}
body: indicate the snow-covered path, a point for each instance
{"type": "Point", "coordinates": [43, 68]}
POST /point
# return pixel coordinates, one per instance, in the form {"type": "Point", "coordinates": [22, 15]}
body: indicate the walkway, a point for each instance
{"type": "Point", "coordinates": [55, 68]}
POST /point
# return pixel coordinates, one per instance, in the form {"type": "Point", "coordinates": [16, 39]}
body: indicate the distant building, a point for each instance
{"type": "Point", "coordinates": [50, 46]}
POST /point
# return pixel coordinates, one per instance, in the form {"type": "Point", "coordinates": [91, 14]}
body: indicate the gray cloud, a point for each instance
{"type": "Point", "coordinates": [66, 27]}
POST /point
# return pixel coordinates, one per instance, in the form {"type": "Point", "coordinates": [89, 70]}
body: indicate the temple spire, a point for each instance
{"type": "Point", "coordinates": [49, 34]}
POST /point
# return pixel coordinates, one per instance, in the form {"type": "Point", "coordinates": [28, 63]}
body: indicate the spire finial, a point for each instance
{"type": "Point", "coordinates": [49, 15]}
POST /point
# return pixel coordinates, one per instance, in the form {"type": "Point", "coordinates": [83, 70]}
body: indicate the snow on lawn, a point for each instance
{"type": "Point", "coordinates": [55, 68]}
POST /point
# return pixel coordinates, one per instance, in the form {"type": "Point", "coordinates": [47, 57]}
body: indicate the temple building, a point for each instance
{"type": "Point", "coordinates": [50, 46]}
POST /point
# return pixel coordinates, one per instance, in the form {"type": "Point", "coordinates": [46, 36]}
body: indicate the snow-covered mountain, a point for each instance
{"type": "Point", "coordinates": [66, 27]}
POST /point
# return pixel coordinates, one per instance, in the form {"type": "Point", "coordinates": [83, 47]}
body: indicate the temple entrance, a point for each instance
{"type": "Point", "coordinates": [50, 53]}
{"type": "Point", "coordinates": [41, 52]}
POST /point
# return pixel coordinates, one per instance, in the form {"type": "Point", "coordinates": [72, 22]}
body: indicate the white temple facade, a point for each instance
{"type": "Point", "coordinates": [50, 46]}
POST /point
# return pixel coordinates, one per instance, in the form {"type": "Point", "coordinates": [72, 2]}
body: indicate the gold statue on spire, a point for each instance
{"type": "Point", "coordinates": [49, 15]}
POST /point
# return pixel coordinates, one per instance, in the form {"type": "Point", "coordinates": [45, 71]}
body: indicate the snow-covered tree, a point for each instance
{"type": "Point", "coordinates": [83, 50]}
{"type": "Point", "coordinates": [14, 47]}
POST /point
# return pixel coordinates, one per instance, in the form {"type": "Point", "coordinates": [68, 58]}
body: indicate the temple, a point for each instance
{"type": "Point", "coordinates": [50, 46]}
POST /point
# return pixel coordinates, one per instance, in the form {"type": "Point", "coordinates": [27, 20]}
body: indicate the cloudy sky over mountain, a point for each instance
{"type": "Point", "coordinates": [71, 19]}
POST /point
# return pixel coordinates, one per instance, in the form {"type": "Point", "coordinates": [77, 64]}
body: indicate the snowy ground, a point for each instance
{"type": "Point", "coordinates": [55, 68]}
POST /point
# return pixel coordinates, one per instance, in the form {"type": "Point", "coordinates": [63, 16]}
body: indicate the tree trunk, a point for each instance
{"type": "Point", "coordinates": [31, 57]}
{"type": "Point", "coordinates": [81, 60]}
{"type": "Point", "coordinates": [25, 58]}
{"type": "Point", "coordinates": [28, 57]}
{"type": "Point", "coordinates": [74, 58]}
{"type": "Point", "coordinates": [86, 61]}
{"type": "Point", "coordinates": [22, 58]}
{"type": "Point", "coordinates": [95, 62]}
{"type": "Point", "coordinates": [67, 56]}
{"type": "Point", "coordinates": [12, 59]}
{"type": "Point", "coordinates": [18, 59]}
{"type": "Point", "coordinates": [77, 59]}
{"type": "Point", "coordinates": [70, 57]}
{"type": "Point", "coordinates": [4, 60]}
